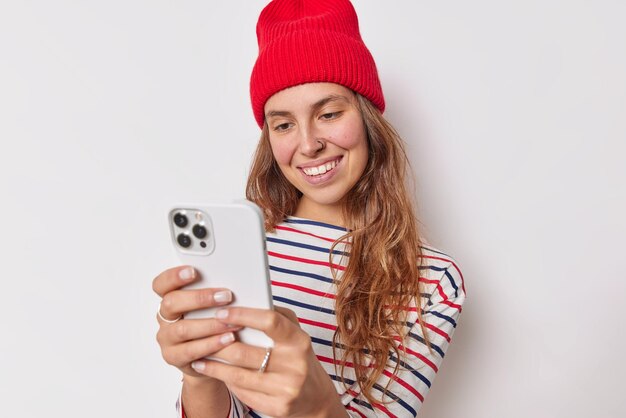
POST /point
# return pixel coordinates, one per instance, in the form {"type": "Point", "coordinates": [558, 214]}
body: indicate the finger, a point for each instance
{"type": "Point", "coordinates": [277, 326]}
{"type": "Point", "coordinates": [236, 376]}
{"type": "Point", "coordinates": [178, 302]}
{"type": "Point", "coordinates": [244, 355]}
{"type": "Point", "coordinates": [173, 278]}
{"type": "Point", "coordinates": [182, 355]}
{"type": "Point", "coordinates": [291, 315]}
{"type": "Point", "coordinates": [192, 329]}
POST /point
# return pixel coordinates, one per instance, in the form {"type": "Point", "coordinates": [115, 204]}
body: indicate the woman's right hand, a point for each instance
{"type": "Point", "coordinates": [187, 340]}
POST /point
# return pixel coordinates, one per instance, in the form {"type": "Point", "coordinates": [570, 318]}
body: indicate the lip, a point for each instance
{"type": "Point", "coordinates": [320, 162]}
{"type": "Point", "coordinates": [321, 178]}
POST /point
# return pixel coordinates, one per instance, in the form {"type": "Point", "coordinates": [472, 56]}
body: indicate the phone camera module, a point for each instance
{"type": "Point", "coordinates": [199, 231]}
{"type": "Point", "coordinates": [184, 240]}
{"type": "Point", "coordinates": [180, 220]}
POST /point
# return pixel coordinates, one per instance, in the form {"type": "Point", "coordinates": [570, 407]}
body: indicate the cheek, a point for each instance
{"type": "Point", "coordinates": [282, 152]}
{"type": "Point", "coordinates": [351, 136]}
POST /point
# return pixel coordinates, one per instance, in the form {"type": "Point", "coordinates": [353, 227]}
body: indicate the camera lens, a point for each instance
{"type": "Point", "coordinates": [180, 220]}
{"type": "Point", "coordinates": [199, 231]}
{"type": "Point", "coordinates": [184, 240]}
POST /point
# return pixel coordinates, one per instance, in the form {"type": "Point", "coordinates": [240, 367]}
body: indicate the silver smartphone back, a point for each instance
{"type": "Point", "coordinates": [226, 244]}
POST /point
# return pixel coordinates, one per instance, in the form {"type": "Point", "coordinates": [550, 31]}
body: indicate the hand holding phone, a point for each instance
{"type": "Point", "coordinates": [225, 243]}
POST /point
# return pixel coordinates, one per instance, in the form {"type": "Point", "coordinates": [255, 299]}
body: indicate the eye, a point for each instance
{"type": "Point", "coordinates": [330, 116]}
{"type": "Point", "coordinates": [282, 127]}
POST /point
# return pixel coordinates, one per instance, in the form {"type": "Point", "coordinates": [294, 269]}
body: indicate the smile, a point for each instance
{"type": "Point", "coordinates": [320, 169]}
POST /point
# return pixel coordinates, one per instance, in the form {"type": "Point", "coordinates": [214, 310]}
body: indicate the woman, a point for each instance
{"type": "Point", "coordinates": [364, 311]}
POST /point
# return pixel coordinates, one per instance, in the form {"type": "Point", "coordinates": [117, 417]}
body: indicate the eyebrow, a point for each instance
{"type": "Point", "coordinates": [314, 107]}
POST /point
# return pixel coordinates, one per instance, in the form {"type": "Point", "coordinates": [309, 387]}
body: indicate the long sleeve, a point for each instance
{"type": "Point", "coordinates": [418, 368]}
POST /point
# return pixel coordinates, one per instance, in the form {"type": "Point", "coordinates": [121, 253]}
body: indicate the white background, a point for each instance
{"type": "Point", "coordinates": [515, 117]}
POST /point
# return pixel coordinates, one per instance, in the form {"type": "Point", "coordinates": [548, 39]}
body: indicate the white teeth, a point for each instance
{"type": "Point", "coordinates": [322, 169]}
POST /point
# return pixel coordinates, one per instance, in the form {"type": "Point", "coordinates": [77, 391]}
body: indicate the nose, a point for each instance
{"type": "Point", "coordinates": [311, 142]}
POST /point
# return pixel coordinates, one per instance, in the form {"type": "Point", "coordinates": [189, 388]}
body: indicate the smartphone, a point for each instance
{"type": "Point", "coordinates": [225, 243]}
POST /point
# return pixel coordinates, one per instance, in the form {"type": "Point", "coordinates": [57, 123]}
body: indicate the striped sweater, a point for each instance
{"type": "Point", "coordinates": [298, 253]}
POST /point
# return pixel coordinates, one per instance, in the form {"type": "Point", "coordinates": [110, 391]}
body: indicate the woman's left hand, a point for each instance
{"type": "Point", "coordinates": [294, 383]}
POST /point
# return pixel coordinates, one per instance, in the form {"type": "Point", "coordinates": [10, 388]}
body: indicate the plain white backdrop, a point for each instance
{"type": "Point", "coordinates": [514, 114]}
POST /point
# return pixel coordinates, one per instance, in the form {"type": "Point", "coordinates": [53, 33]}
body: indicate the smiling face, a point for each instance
{"type": "Point", "coordinates": [319, 141]}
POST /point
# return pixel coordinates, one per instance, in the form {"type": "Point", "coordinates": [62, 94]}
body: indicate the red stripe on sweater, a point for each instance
{"type": "Point", "coordinates": [437, 330]}
{"type": "Point", "coordinates": [404, 384]}
{"type": "Point", "coordinates": [444, 299]}
{"type": "Point", "coordinates": [303, 289]}
{"type": "Point", "coordinates": [452, 305]}
{"type": "Point", "coordinates": [286, 228]}
{"type": "Point", "coordinates": [385, 410]}
{"type": "Point", "coordinates": [420, 356]}
{"type": "Point", "coordinates": [336, 362]}
{"type": "Point", "coordinates": [353, 393]}
{"type": "Point", "coordinates": [351, 408]}
{"type": "Point", "coordinates": [317, 324]}
{"type": "Point", "coordinates": [442, 293]}
{"type": "Point", "coordinates": [305, 260]}
{"type": "Point", "coordinates": [453, 264]}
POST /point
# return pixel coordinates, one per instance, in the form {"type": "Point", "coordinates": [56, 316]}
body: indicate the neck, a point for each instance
{"type": "Point", "coordinates": [330, 214]}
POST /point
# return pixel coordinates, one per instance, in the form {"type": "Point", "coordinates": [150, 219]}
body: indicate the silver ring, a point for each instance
{"type": "Point", "coordinates": [169, 321]}
{"type": "Point", "coordinates": [266, 359]}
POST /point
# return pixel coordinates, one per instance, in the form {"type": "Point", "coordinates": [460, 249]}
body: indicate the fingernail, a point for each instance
{"type": "Point", "coordinates": [187, 273]}
{"type": "Point", "coordinates": [223, 296]}
{"type": "Point", "coordinates": [198, 366]}
{"type": "Point", "coordinates": [227, 338]}
{"type": "Point", "coordinates": [221, 314]}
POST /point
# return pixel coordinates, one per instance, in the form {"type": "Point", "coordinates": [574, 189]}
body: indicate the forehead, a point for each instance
{"type": "Point", "coordinates": [302, 96]}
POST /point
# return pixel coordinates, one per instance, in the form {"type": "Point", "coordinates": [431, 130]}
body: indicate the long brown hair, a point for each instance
{"type": "Point", "coordinates": [380, 281]}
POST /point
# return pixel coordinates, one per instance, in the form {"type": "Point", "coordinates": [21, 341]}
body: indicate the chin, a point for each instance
{"type": "Point", "coordinates": [325, 199]}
